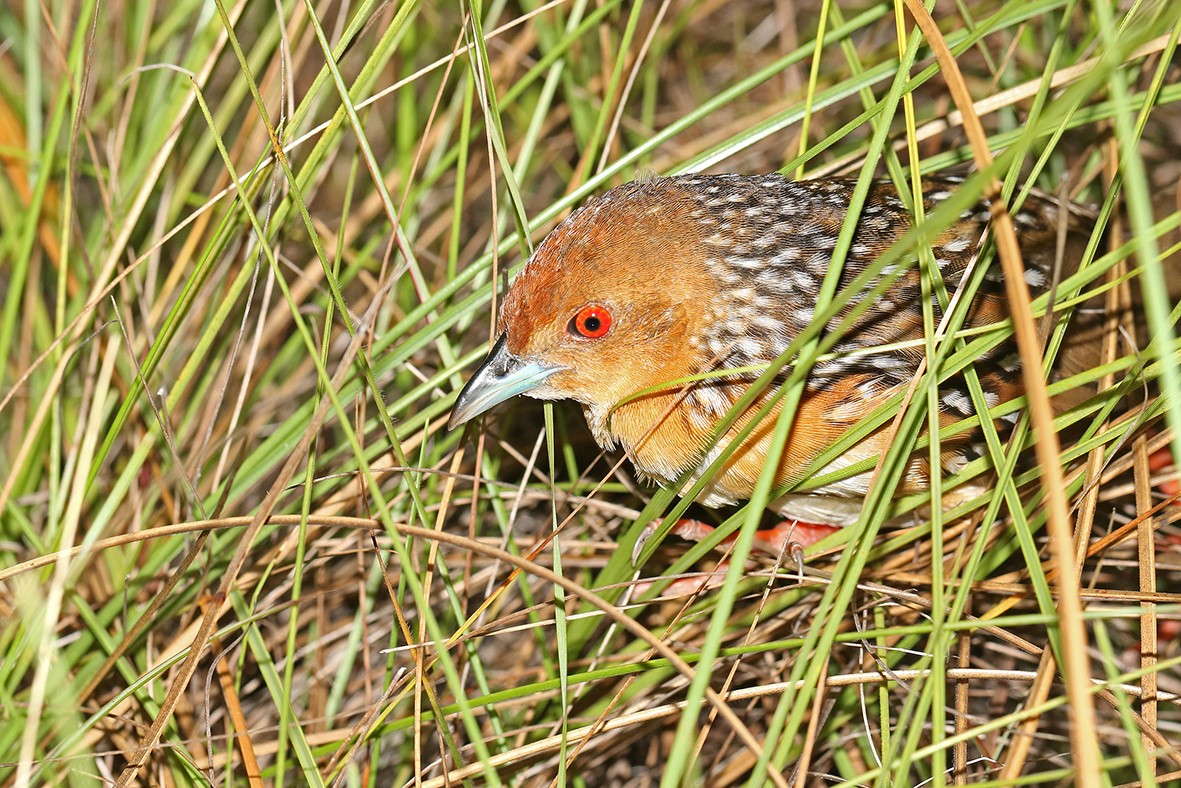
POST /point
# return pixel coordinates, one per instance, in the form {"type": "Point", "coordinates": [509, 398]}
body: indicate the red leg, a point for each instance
{"type": "Point", "coordinates": [787, 536]}
{"type": "Point", "coordinates": [1159, 460]}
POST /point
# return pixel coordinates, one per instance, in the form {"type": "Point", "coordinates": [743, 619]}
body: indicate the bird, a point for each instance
{"type": "Point", "coordinates": [656, 305]}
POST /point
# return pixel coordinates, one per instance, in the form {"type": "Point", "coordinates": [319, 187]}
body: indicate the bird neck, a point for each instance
{"type": "Point", "coordinates": [668, 433]}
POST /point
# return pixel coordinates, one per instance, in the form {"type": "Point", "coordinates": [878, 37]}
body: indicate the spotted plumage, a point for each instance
{"type": "Point", "coordinates": [703, 274]}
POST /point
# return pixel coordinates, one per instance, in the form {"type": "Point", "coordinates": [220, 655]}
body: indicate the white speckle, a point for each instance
{"type": "Point", "coordinates": [786, 255]}
{"type": "Point", "coordinates": [768, 322]}
{"type": "Point", "coordinates": [1034, 277]}
{"type": "Point", "coordinates": [890, 361]}
{"type": "Point", "coordinates": [957, 245]}
{"type": "Point", "coordinates": [801, 281]}
{"type": "Point", "coordinates": [819, 260]}
{"type": "Point", "coordinates": [955, 463]}
{"type": "Point", "coordinates": [713, 404]}
{"type": "Point", "coordinates": [956, 401]}
{"type": "Point", "coordinates": [743, 294]}
{"type": "Point", "coordinates": [750, 349]}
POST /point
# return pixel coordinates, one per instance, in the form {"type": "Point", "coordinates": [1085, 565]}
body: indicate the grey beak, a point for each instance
{"type": "Point", "coordinates": [501, 376]}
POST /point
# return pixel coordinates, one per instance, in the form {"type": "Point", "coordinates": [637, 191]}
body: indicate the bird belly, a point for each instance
{"type": "Point", "coordinates": [664, 442]}
{"type": "Point", "coordinates": [837, 503]}
{"type": "Point", "coordinates": [818, 508]}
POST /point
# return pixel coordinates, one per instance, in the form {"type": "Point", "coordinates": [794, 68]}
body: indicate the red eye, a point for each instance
{"type": "Point", "coordinates": [591, 322]}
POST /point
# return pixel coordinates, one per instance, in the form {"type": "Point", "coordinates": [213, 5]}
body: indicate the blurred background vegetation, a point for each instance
{"type": "Point", "coordinates": [250, 251]}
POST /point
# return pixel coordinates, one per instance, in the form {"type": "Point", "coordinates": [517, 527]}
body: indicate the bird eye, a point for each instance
{"type": "Point", "coordinates": [591, 322]}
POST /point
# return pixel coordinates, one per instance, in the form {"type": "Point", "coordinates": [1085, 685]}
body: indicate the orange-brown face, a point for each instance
{"type": "Point", "coordinates": [604, 308]}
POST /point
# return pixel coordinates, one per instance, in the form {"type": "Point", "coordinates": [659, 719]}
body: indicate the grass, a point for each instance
{"type": "Point", "coordinates": [249, 254]}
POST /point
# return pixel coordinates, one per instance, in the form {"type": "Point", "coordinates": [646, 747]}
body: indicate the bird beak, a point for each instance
{"type": "Point", "coordinates": [501, 376]}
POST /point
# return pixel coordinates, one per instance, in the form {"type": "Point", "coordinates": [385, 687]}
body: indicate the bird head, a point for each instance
{"type": "Point", "coordinates": [607, 305]}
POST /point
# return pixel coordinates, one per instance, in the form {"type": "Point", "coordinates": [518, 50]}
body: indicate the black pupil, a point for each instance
{"type": "Point", "coordinates": [592, 324]}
